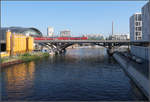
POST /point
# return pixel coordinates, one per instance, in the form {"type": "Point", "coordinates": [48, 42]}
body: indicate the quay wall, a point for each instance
{"type": "Point", "coordinates": [140, 80]}
{"type": "Point", "coordinates": [140, 51]}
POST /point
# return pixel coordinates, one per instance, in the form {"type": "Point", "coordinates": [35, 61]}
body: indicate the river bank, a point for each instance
{"type": "Point", "coordinates": [137, 72]}
{"type": "Point", "coordinates": [7, 61]}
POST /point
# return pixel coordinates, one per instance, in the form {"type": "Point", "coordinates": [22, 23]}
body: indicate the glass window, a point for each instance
{"type": "Point", "coordinates": [137, 23]}
{"type": "Point", "coordinates": [139, 28]}
{"type": "Point", "coordinates": [139, 17]}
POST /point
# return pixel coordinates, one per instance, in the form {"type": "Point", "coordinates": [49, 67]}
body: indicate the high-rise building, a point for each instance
{"type": "Point", "coordinates": [146, 22]}
{"type": "Point", "coordinates": [143, 51]}
{"type": "Point", "coordinates": [50, 31]}
{"type": "Point", "coordinates": [65, 33]}
{"type": "Point", "coordinates": [136, 27]}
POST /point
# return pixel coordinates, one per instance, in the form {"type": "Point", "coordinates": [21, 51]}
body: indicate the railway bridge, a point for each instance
{"type": "Point", "coordinates": [60, 46]}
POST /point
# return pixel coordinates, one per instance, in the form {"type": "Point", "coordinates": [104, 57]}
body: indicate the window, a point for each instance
{"type": "Point", "coordinates": [139, 28]}
{"type": "Point", "coordinates": [139, 17]}
{"type": "Point", "coordinates": [137, 23]}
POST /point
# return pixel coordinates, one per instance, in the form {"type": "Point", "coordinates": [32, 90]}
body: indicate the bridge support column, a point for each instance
{"type": "Point", "coordinates": [60, 51]}
{"type": "Point", "coordinates": [110, 51]}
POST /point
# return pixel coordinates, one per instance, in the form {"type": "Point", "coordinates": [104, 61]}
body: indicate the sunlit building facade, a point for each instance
{"type": "Point", "coordinates": [50, 31]}
{"type": "Point", "coordinates": [136, 27]}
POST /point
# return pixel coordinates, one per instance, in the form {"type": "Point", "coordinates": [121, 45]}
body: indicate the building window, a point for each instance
{"type": "Point", "coordinates": [139, 28]}
{"type": "Point", "coordinates": [139, 17]}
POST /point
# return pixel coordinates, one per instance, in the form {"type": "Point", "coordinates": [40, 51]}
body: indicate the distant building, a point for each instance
{"type": "Point", "coordinates": [50, 31]}
{"type": "Point", "coordinates": [65, 33]}
{"type": "Point", "coordinates": [119, 37]}
{"type": "Point", "coordinates": [146, 22]}
{"type": "Point", "coordinates": [136, 27]}
{"type": "Point", "coordinates": [94, 36]}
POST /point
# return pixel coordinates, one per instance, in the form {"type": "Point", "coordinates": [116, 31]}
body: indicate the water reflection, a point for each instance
{"type": "Point", "coordinates": [18, 78]}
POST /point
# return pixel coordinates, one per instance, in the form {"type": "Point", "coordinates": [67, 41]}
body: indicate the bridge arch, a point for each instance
{"type": "Point", "coordinates": [67, 45]}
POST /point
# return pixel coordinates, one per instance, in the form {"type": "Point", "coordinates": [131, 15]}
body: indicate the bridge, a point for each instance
{"type": "Point", "coordinates": [60, 45]}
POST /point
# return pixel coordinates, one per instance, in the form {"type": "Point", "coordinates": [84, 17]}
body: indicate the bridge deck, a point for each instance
{"type": "Point", "coordinates": [89, 41]}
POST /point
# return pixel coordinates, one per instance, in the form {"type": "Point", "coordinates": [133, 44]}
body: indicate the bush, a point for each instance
{"type": "Point", "coordinates": [26, 54]}
{"type": "Point", "coordinates": [28, 57]}
{"type": "Point", "coordinates": [45, 54]}
{"type": "Point", "coordinates": [4, 59]}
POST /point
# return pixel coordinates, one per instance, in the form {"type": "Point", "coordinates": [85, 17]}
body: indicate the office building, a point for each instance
{"type": "Point", "coordinates": [50, 31]}
{"type": "Point", "coordinates": [144, 51]}
{"type": "Point", "coordinates": [136, 27]}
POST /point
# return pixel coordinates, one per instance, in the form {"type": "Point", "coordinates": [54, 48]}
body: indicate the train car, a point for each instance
{"type": "Point", "coordinates": [50, 38]}
{"type": "Point", "coordinates": [38, 38]}
{"type": "Point", "coordinates": [84, 38]}
{"type": "Point", "coordinates": [63, 38]}
{"type": "Point", "coordinates": [60, 38]}
{"type": "Point", "coordinates": [75, 38]}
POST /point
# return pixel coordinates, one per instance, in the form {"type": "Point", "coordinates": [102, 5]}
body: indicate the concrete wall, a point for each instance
{"type": "Point", "coordinates": [143, 52]}
{"type": "Point", "coordinates": [146, 22]}
{"type": "Point", "coordinates": [141, 81]}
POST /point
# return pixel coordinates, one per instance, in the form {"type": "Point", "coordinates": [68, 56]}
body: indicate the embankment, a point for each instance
{"type": "Point", "coordinates": [139, 78]}
{"type": "Point", "coordinates": [22, 58]}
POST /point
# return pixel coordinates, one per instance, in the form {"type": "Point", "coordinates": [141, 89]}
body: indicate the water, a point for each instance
{"type": "Point", "coordinates": [83, 74]}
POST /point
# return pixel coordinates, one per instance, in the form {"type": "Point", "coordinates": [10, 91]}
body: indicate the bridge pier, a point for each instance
{"type": "Point", "coordinates": [60, 51]}
{"type": "Point", "coordinates": [110, 51]}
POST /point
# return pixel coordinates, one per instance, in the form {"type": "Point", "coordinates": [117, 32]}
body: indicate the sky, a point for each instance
{"type": "Point", "coordinates": [81, 17]}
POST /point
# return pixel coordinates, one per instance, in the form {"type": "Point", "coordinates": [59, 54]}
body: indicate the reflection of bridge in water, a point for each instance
{"type": "Point", "coordinates": [61, 45]}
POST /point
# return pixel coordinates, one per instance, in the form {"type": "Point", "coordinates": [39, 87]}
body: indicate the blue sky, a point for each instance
{"type": "Point", "coordinates": [81, 17]}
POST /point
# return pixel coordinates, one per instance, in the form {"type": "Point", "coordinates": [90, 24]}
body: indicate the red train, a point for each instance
{"type": "Point", "coordinates": [60, 38]}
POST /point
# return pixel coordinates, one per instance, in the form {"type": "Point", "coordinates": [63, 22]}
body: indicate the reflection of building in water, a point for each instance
{"type": "Point", "coordinates": [20, 77]}
{"type": "Point", "coordinates": [31, 69]}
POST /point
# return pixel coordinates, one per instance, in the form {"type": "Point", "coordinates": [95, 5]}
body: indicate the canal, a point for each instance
{"type": "Point", "coordinates": [82, 74]}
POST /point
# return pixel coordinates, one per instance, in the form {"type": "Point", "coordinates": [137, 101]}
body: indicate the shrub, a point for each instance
{"type": "Point", "coordinates": [26, 54]}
